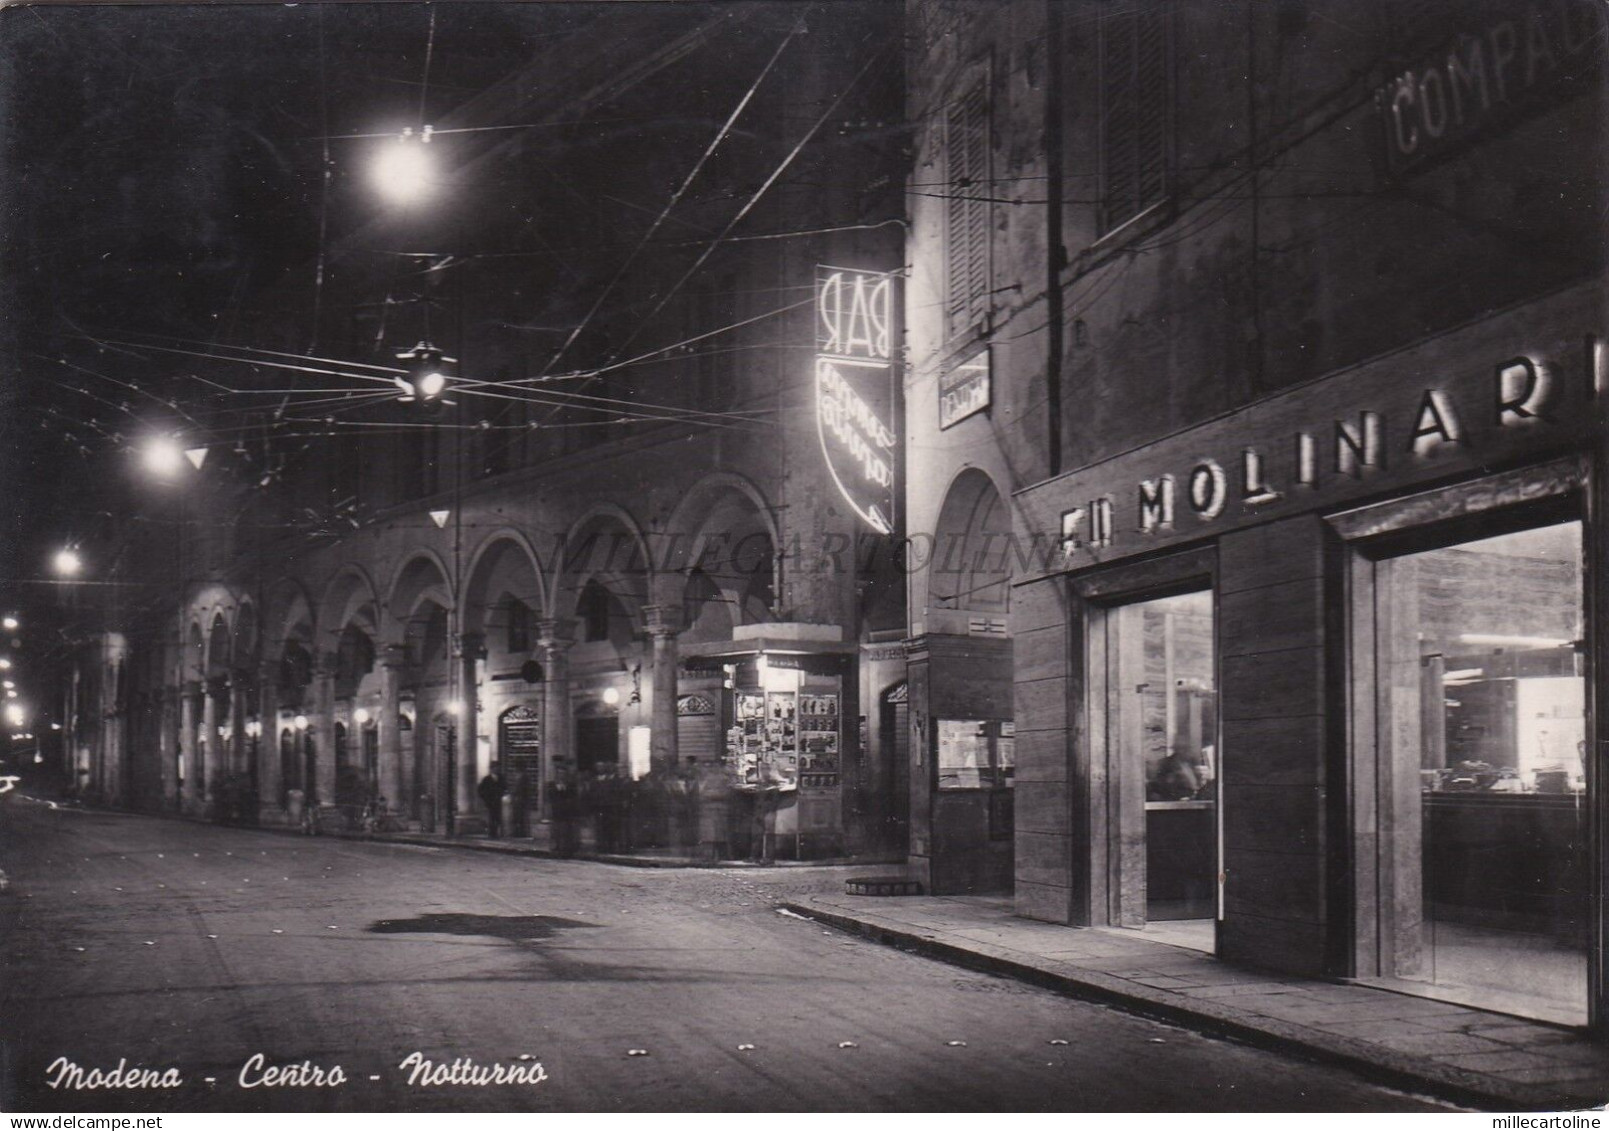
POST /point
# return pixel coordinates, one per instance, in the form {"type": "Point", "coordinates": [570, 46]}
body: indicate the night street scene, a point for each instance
{"type": "Point", "coordinates": [804, 555]}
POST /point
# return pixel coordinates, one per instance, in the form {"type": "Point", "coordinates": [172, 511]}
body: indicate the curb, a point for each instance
{"type": "Point", "coordinates": [1380, 1065]}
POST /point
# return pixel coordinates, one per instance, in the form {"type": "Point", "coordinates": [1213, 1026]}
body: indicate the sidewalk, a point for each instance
{"type": "Point", "coordinates": [1484, 1060]}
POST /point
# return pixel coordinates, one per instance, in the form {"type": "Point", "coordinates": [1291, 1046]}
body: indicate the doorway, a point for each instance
{"type": "Point", "coordinates": [597, 743]}
{"type": "Point", "coordinates": [1163, 767]}
{"type": "Point", "coordinates": [1473, 765]}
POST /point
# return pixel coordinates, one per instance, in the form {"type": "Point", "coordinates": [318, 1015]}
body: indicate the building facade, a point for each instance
{"type": "Point", "coordinates": [615, 571]}
{"type": "Point", "coordinates": [1257, 387]}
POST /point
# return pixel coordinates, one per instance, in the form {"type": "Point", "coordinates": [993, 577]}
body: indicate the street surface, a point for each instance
{"type": "Point", "coordinates": [174, 945]}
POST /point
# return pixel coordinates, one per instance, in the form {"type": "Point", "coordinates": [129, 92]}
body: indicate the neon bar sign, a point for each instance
{"type": "Point", "coordinates": [854, 394]}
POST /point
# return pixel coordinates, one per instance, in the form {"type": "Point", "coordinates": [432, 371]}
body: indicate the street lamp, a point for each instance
{"type": "Point", "coordinates": [15, 715]}
{"type": "Point", "coordinates": [67, 562]}
{"type": "Point", "coordinates": [426, 377]}
{"type": "Point", "coordinates": [403, 171]}
{"type": "Point", "coordinates": [9, 624]}
{"type": "Point", "coordinates": [163, 457]}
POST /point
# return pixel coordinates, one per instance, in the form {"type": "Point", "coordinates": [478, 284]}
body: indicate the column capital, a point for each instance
{"type": "Point", "coordinates": [394, 656]}
{"type": "Point", "coordinates": [555, 633]}
{"type": "Point", "coordinates": [324, 664]}
{"type": "Point", "coordinates": [663, 620]}
{"type": "Point", "coordinates": [471, 645]}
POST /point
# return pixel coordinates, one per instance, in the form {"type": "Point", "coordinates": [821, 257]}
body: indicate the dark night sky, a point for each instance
{"type": "Point", "coordinates": [159, 164]}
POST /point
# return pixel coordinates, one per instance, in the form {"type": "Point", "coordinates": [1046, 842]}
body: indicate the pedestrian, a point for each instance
{"type": "Point", "coordinates": [491, 793]}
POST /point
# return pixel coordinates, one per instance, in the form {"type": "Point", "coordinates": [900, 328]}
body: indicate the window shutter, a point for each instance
{"type": "Point", "coordinates": [967, 219]}
{"type": "Point", "coordinates": [1136, 114]}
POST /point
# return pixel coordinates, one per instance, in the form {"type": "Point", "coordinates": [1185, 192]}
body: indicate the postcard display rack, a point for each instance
{"type": "Point", "coordinates": [786, 747]}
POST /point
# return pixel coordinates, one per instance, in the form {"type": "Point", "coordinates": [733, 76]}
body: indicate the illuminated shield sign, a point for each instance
{"type": "Point", "coordinates": [854, 388]}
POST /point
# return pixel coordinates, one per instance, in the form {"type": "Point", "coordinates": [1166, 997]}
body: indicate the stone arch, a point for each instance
{"type": "Point", "coordinates": [289, 616]}
{"type": "Point", "coordinates": [504, 595]}
{"type": "Point", "coordinates": [244, 649]}
{"type": "Point", "coordinates": [725, 530]}
{"type": "Point", "coordinates": [288, 640]}
{"type": "Point", "coordinates": [418, 604]}
{"type": "Point", "coordinates": [605, 547]}
{"type": "Point", "coordinates": [972, 561]}
{"type": "Point", "coordinates": [350, 615]}
{"type": "Point", "coordinates": [692, 514]}
{"type": "Point", "coordinates": [350, 597]}
{"type": "Point", "coordinates": [708, 611]}
{"type": "Point", "coordinates": [421, 577]}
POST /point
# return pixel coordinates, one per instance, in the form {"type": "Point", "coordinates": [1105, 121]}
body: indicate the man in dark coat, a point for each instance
{"type": "Point", "coordinates": [491, 793]}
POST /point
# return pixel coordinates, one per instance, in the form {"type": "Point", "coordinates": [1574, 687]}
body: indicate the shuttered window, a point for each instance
{"type": "Point", "coordinates": [1136, 114]}
{"type": "Point", "coordinates": [967, 216]}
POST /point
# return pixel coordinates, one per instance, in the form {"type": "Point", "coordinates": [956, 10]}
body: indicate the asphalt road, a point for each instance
{"type": "Point", "coordinates": [174, 945]}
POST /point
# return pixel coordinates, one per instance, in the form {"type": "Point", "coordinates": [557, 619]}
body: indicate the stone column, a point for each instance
{"type": "Point", "coordinates": [239, 687]}
{"type": "Point", "coordinates": [269, 783]}
{"type": "Point", "coordinates": [211, 748]}
{"type": "Point", "coordinates": [467, 817]}
{"type": "Point", "coordinates": [188, 694]}
{"type": "Point", "coordinates": [322, 725]}
{"type": "Point", "coordinates": [388, 724]}
{"type": "Point", "coordinates": [554, 636]}
{"type": "Point", "coordinates": [167, 744]}
{"type": "Point", "coordinates": [664, 624]}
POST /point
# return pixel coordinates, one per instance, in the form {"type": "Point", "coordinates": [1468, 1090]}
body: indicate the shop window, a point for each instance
{"type": "Point", "coordinates": [968, 187]}
{"type": "Point", "coordinates": [1480, 759]}
{"type": "Point", "coordinates": [1136, 113]}
{"type": "Point", "coordinates": [975, 753]}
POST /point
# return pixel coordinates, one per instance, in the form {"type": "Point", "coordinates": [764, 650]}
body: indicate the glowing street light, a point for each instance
{"type": "Point", "coordinates": [15, 715]}
{"type": "Point", "coordinates": [163, 456]}
{"type": "Point", "coordinates": [9, 624]}
{"type": "Point", "coordinates": [404, 171]}
{"type": "Point", "coordinates": [426, 379]}
{"type": "Point", "coordinates": [67, 562]}
{"type": "Point", "coordinates": [5, 664]}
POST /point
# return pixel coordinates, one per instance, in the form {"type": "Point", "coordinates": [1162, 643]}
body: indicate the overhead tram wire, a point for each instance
{"type": "Point", "coordinates": [588, 374]}
{"type": "Point", "coordinates": [675, 198]}
{"type": "Point", "coordinates": [337, 395]}
{"type": "Point", "coordinates": [755, 197]}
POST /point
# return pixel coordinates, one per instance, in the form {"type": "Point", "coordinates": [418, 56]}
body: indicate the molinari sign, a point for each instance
{"type": "Point", "coordinates": [854, 388]}
{"type": "Point", "coordinates": [1520, 385]}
